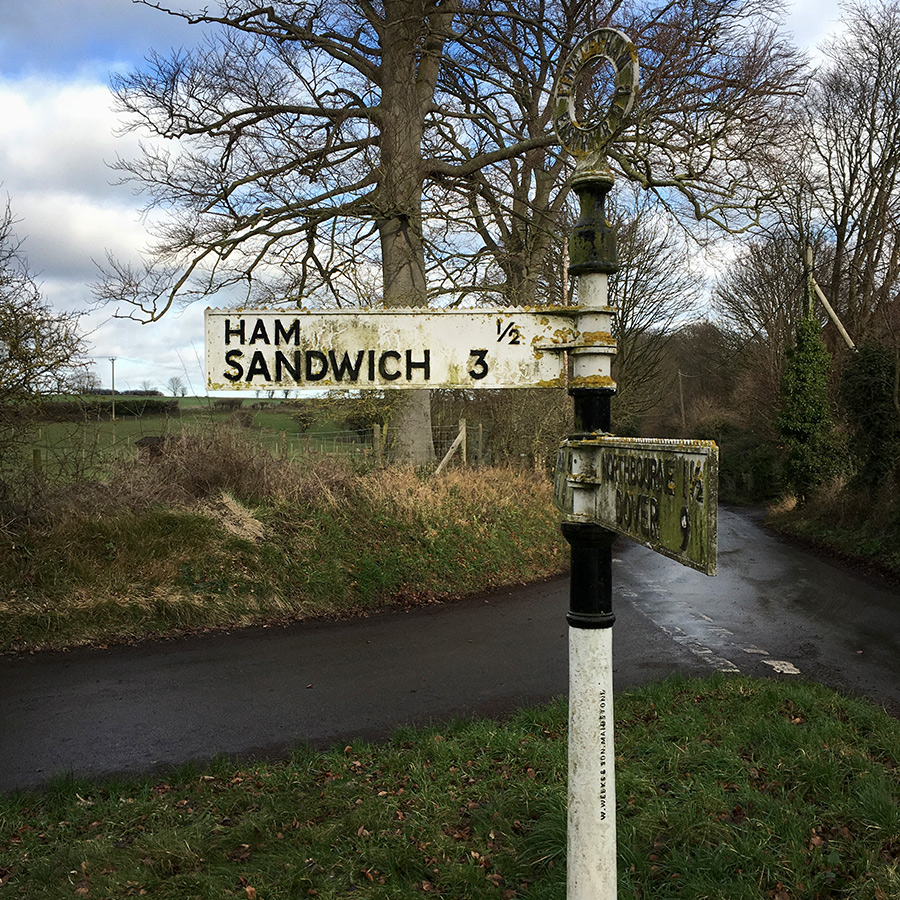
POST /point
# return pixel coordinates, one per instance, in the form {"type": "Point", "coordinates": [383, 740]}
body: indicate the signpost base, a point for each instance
{"type": "Point", "coordinates": [591, 827]}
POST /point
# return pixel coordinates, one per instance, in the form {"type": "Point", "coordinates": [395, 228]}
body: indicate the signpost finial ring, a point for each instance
{"type": "Point", "coordinates": [590, 139]}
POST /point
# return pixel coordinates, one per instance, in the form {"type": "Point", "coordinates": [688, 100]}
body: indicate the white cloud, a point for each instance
{"type": "Point", "coordinates": [58, 135]}
{"type": "Point", "coordinates": [66, 233]}
{"type": "Point", "coordinates": [55, 147]}
{"type": "Point", "coordinates": [812, 22]}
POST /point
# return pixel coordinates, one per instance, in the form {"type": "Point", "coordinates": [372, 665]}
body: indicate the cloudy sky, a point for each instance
{"type": "Point", "coordinates": [58, 137]}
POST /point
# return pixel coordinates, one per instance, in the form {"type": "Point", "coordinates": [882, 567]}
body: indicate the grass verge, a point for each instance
{"type": "Point", "coordinates": [849, 523]}
{"type": "Point", "coordinates": [729, 789]}
{"type": "Point", "coordinates": [217, 533]}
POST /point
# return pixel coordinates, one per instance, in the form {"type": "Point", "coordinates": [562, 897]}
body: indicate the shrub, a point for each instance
{"type": "Point", "coordinates": [804, 418]}
{"type": "Point", "coordinates": [869, 389]}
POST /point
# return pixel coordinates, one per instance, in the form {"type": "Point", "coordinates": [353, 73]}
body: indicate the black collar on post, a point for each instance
{"type": "Point", "coordinates": [590, 591]}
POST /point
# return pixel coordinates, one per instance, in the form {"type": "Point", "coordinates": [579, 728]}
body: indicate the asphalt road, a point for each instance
{"type": "Point", "coordinates": [773, 610]}
{"type": "Point", "coordinates": [774, 607]}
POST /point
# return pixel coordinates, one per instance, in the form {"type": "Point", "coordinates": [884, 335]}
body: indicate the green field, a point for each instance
{"type": "Point", "coordinates": [90, 447]}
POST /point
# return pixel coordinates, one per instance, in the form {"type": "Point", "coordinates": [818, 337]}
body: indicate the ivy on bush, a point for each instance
{"type": "Point", "coordinates": [804, 418]}
{"type": "Point", "coordinates": [870, 391]}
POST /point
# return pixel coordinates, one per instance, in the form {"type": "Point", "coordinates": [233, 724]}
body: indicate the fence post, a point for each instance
{"type": "Point", "coordinates": [463, 447]}
{"type": "Point", "coordinates": [36, 461]}
{"type": "Point", "coordinates": [282, 439]}
{"type": "Point", "coordinates": [377, 445]}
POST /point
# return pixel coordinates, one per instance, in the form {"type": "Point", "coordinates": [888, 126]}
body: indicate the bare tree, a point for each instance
{"type": "Point", "coordinates": [301, 128]}
{"type": "Point", "coordinates": [655, 290]}
{"type": "Point", "coordinates": [506, 217]}
{"type": "Point", "coordinates": [86, 381]}
{"type": "Point", "coordinates": [307, 137]}
{"type": "Point", "coordinates": [761, 300]}
{"type": "Point", "coordinates": [176, 386]}
{"type": "Point", "coordinates": [717, 101]}
{"type": "Point", "coordinates": [854, 132]}
{"type": "Point", "coordinates": [719, 83]}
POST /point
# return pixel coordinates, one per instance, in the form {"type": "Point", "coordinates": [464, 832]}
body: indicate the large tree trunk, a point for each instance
{"type": "Point", "coordinates": [410, 65]}
{"type": "Point", "coordinates": [403, 265]}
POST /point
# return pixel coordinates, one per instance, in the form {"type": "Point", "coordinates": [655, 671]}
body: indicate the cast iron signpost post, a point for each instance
{"type": "Point", "coordinates": [591, 827]}
{"type": "Point", "coordinates": [660, 493]}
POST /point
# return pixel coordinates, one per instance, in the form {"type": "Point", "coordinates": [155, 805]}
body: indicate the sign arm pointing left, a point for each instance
{"type": "Point", "coordinates": [356, 350]}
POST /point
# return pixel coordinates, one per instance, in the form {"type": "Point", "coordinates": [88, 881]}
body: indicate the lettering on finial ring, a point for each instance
{"type": "Point", "coordinates": [584, 139]}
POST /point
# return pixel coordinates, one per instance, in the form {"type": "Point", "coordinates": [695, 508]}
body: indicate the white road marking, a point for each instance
{"type": "Point", "coordinates": [782, 666]}
{"type": "Point", "coordinates": [695, 646]}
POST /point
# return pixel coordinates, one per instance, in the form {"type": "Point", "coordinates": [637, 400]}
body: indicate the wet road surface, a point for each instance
{"type": "Point", "coordinates": [772, 610]}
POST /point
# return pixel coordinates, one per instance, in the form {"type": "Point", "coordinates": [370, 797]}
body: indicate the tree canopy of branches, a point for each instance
{"type": "Point", "coordinates": [719, 83]}
{"type": "Point", "coordinates": [761, 299]}
{"type": "Point", "coordinates": [716, 100]}
{"type": "Point", "coordinates": [654, 290]}
{"type": "Point", "coordinates": [379, 150]}
{"type": "Point", "coordinates": [300, 138]}
{"type": "Point", "coordinates": [854, 145]}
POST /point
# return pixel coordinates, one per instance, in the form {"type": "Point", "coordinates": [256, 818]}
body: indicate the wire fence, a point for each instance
{"type": "Point", "coordinates": [379, 443]}
{"type": "Point", "coordinates": [70, 450]}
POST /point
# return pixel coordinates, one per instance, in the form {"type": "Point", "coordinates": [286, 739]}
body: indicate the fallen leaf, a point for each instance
{"type": "Point", "coordinates": [240, 854]}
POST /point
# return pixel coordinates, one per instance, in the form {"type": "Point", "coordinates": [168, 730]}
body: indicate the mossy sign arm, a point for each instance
{"type": "Point", "coordinates": [661, 493]}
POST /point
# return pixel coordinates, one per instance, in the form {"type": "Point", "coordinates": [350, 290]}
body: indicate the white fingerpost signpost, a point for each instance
{"type": "Point", "coordinates": [660, 493]}
{"type": "Point", "coordinates": [387, 349]}
{"type": "Point", "coordinates": [591, 827]}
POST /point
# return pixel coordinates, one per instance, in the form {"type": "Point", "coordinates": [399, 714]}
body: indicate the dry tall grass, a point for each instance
{"type": "Point", "coordinates": [216, 532]}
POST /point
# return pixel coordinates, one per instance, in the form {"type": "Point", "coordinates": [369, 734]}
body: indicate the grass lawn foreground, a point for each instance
{"type": "Point", "coordinates": [728, 788]}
